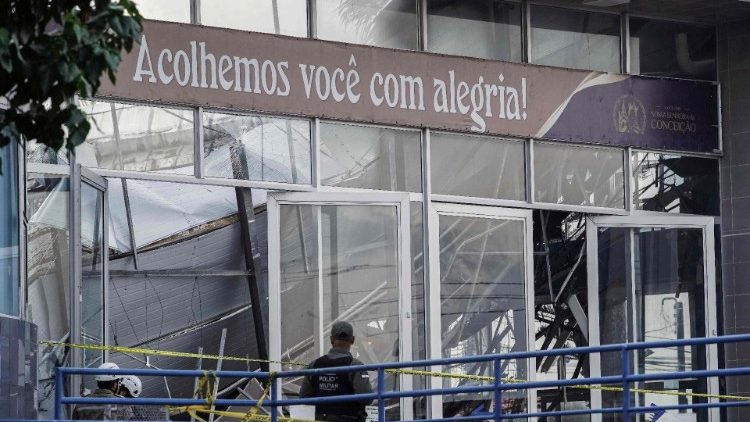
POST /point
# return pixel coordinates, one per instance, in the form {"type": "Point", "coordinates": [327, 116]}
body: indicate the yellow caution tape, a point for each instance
{"type": "Point", "coordinates": [254, 417]}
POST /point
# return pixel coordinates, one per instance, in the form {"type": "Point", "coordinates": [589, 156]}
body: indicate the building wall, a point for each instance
{"type": "Point", "coordinates": [734, 75]}
{"type": "Point", "coordinates": [18, 358]}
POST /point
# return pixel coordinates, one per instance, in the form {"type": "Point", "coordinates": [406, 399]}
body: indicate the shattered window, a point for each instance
{"type": "Point", "coordinates": [260, 148]}
{"type": "Point", "coordinates": [677, 184]}
{"type": "Point", "coordinates": [560, 305]}
{"type": "Point", "coordinates": [578, 175]}
{"type": "Point", "coordinates": [137, 137]}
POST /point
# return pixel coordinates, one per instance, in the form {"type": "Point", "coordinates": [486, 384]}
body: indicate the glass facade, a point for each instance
{"type": "Point", "coordinates": [486, 29]}
{"type": "Point", "coordinates": [189, 220]}
{"type": "Point", "coordinates": [575, 39]}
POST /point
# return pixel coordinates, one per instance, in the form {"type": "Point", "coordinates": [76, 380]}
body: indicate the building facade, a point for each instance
{"type": "Point", "coordinates": [453, 177]}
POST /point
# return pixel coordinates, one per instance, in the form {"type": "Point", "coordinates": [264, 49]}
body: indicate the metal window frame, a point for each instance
{"type": "Point", "coordinates": [666, 221]}
{"type": "Point", "coordinates": [435, 318]}
{"type": "Point", "coordinates": [388, 199]}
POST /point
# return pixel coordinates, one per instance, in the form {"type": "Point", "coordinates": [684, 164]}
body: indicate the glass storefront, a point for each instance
{"type": "Point", "coordinates": [432, 243]}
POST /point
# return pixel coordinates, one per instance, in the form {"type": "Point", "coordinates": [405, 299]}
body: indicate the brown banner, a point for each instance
{"type": "Point", "coordinates": [222, 68]}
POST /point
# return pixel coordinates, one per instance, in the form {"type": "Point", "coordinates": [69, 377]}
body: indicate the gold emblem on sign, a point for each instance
{"type": "Point", "coordinates": [629, 115]}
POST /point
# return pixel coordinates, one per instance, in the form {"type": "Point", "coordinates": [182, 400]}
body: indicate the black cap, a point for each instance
{"type": "Point", "coordinates": [342, 330]}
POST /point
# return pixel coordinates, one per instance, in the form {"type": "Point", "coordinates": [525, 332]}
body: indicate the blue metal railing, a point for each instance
{"type": "Point", "coordinates": [496, 388]}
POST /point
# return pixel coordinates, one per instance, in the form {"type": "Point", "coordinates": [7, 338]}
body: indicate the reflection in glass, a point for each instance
{"type": "Point", "coordinates": [574, 175]}
{"type": "Point", "coordinates": [382, 23]}
{"type": "Point", "coordinates": [483, 304]}
{"type": "Point", "coordinates": [477, 166]}
{"type": "Point", "coordinates": [678, 50]}
{"type": "Point", "coordinates": [260, 148]}
{"type": "Point", "coordinates": [10, 277]}
{"type": "Point", "coordinates": [673, 183]}
{"type": "Point", "coordinates": [137, 138]}
{"type": "Point", "coordinates": [92, 272]}
{"type": "Point", "coordinates": [661, 298]}
{"type": "Point", "coordinates": [370, 157]}
{"type": "Point", "coordinates": [286, 17]}
{"type": "Point", "coordinates": [560, 305]}
{"type": "Point", "coordinates": [48, 263]}
{"type": "Point", "coordinates": [575, 39]}
{"type": "Point", "coordinates": [40, 153]}
{"type": "Point", "coordinates": [358, 282]}
{"type": "Point", "coordinates": [165, 10]}
{"type": "Point", "coordinates": [486, 29]}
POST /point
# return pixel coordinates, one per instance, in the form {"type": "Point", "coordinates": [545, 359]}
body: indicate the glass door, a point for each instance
{"type": "Point", "coordinates": [341, 257]}
{"type": "Point", "coordinates": [88, 267]}
{"type": "Point", "coordinates": [653, 278]}
{"type": "Point", "coordinates": [481, 301]}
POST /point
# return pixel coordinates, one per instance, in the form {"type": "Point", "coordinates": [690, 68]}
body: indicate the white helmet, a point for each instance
{"type": "Point", "coordinates": [132, 384]}
{"type": "Point", "coordinates": [108, 377]}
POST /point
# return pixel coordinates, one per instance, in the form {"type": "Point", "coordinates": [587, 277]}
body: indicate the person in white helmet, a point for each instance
{"type": "Point", "coordinates": [108, 386]}
{"type": "Point", "coordinates": [131, 387]}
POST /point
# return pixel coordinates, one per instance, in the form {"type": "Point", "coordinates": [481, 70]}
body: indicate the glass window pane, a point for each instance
{"type": "Point", "coordinates": [672, 49]}
{"type": "Point", "coordinates": [10, 277]}
{"type": "Point", "coordinates": [483, 303]}
{"type": "Point", "coordinates": [477, 166]}
{"type": "Point", "coordinates": [358, 282]}
{"type": "Point", "coordinates": [47, 287]}
{"type": "Point", "coordinates": [673, 183]}
{"type": "Point", "coordinates": [269, 149]}
{"type": "Point", "coordinates": [92, 272]}
{"type": "Point", "coordinates": [575, 39]}
{"type": "Point", "coordinates": [137, 138]}
{"type": "Point", "coordinates": [486, 28]}
{"type": "Point", "coordinates": [382, 23]}
{"type": "Point", "coordinates": [662, 298]}
{"type": "Point", "coordinates": [165, 10]}
{"type": "Point", "coordinates": [370, 157]}
{"type": "Point", "coordinates": [577, 175]}
{"type": "Point", "coordinates": [286, 17]}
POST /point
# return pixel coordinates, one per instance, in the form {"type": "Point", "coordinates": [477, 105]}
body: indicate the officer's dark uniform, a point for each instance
{"type": "Point", "coordinates": [338, 384]}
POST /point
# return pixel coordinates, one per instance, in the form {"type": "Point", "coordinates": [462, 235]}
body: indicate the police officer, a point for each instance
{"type": "Point", "coordinates": [338, 383]}
{"type": "Point", "coordinates": [108, 386]}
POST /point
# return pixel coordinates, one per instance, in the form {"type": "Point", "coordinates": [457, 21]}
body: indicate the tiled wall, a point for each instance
{"type": "Point", "coordinates": [18, 368]}
{"type": "Point", "coordinates": [734, 75]}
